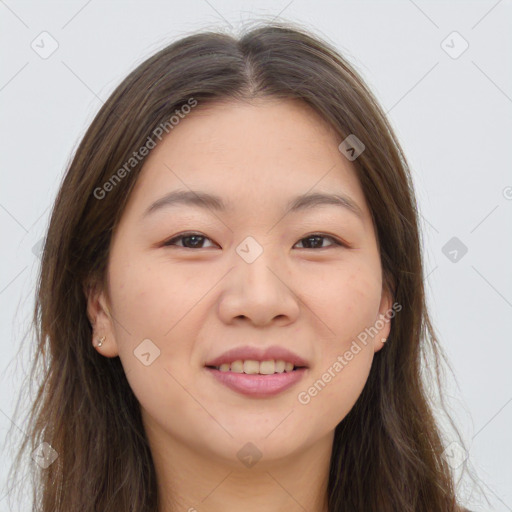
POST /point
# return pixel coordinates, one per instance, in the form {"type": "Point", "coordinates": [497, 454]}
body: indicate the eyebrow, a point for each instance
{"type": "Point", "coordinates": [209, 201]}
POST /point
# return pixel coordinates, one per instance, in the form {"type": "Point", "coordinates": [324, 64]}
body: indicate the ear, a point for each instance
{"type": "Point", "coordinates": [101, 319]}
{"type": "Point", "coordinates": [383, 321]}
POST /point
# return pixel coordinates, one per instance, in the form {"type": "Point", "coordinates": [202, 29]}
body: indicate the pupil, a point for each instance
{"type": "Point", "coordinates": [195, 237]}
{"type": "Point", "coordinates": [314, 238]}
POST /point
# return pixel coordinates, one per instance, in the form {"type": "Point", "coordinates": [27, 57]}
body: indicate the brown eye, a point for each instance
{"type": "Point", "coordinates": [315, 241]}
{"type": "Point", "coordinates": [190, 241]}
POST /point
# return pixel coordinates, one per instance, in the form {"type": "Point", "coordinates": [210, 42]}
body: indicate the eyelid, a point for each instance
{"type": "Point", "coordinates": [185, 235]}
{"type": "Point", "coordinates": [335, 240]}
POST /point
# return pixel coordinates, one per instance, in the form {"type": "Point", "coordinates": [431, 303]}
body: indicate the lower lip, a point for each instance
{"type": "Point", "coordinates": [258, 386]}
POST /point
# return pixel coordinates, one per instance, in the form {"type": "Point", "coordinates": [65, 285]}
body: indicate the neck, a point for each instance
{"type": "Point", "coordinates": [189, 481]}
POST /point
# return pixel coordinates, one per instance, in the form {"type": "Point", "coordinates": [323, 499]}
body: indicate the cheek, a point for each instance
{"type": "Point", "coordinates": [164, 303]}
{"type": "Point", "coordinates": [151, 297]}
{"type": "Point", "coordinates": [333, 391]}
{"type": "Point", "coordinates": [345, 299]}
{"type": "Point", "coordinates": [347, 305]}
{"type": "Point", "coordinates": [152, 304]}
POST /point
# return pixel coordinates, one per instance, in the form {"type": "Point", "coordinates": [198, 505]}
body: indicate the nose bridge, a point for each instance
{"type": "Point", "coordinates": [255, 264]}
{"type": "Point", "coordinates": [257, 288]}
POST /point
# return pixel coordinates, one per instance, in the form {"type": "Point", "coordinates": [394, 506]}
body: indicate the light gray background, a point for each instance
{"type": "Point", "coordinates": [453, 117]}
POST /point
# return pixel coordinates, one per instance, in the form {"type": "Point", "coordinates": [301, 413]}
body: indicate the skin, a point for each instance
{"type": "Point", "coordinates": [195, 303]}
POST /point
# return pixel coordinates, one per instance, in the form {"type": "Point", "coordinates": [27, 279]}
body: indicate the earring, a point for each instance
{"type": "Point", "coordinates": [383, 340]}
{"type": "Point", "coordinates": [100, 341]}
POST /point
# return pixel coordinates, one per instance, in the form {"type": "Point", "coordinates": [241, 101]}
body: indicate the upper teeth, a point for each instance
{"type": "Point", "coordinates": [251, 367]}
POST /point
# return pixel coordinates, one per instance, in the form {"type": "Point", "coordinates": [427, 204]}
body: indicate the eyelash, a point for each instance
{"type": "Point", "coordinates": [336, 242]}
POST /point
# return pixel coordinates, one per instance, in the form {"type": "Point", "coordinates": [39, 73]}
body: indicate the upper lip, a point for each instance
{"type": "Point", "coordinates": [258, 354]}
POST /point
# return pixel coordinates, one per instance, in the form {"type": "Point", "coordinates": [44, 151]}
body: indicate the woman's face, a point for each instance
{"type": "Point", "coordinates": [251, 277]}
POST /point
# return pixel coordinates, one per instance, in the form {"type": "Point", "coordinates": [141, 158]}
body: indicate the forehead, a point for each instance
{"type": "Point", "coordinates": [254, 155]}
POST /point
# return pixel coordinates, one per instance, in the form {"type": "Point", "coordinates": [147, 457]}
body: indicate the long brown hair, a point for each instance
{"type": "Point", "coordinates": [388, 451]}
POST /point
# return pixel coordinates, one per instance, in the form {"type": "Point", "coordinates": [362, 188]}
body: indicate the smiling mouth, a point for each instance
{"type": "Point", "coordinates": [253, 367]}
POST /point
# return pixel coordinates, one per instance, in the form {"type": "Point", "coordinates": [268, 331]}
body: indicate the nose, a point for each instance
{"type": "Point", "coordinates": [258, 292]}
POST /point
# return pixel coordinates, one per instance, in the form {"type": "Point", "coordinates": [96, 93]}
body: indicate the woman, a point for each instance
{"type": "Point", "coordinates": [231, 296]}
